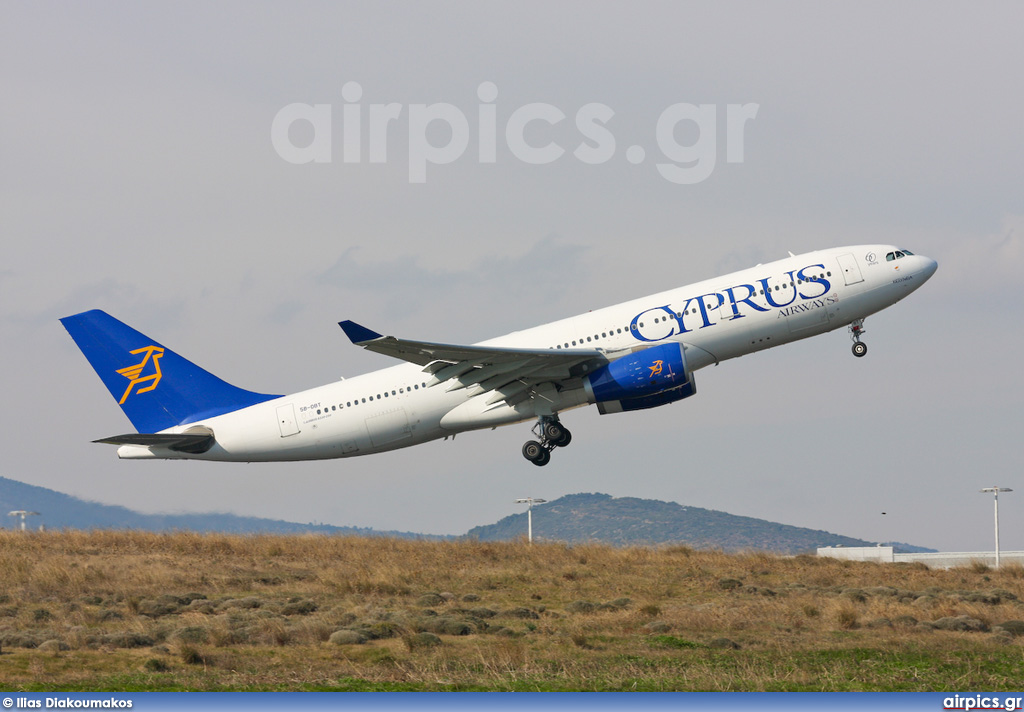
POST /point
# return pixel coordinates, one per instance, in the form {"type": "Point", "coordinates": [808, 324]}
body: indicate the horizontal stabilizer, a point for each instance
{"type": "Point", "coordinates": [195, 440]}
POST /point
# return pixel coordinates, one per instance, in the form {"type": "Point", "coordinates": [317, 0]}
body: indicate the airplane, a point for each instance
{"type": "Point", "coordinates": [631, 356]}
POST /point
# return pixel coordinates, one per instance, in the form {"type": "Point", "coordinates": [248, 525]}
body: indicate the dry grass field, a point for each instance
{"type": "Point", "coordinates": [138, 611]}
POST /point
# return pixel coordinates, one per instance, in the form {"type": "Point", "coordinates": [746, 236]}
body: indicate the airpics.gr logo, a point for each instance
{"type": "Point", "coordinates": [134, 373]}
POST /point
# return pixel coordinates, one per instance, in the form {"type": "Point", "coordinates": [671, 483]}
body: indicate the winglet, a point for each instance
{"type": "Point", "coordinates": [357, 333]}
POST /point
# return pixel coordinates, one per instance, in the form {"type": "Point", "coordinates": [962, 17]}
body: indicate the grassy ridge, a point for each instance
{"type": "Point", "coordinates": [143, 611]}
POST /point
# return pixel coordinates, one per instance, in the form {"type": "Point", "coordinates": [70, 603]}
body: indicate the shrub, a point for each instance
{"type": "Point", "coordinates": [430, 599]}
{"type": "Point", "coordinates": [854, 594]}
{"type": "Point", "coordinates": [191, 634]}
{"type": "Point", "coordinates": [421, 640]}
{"type": "Point", "coordinates": [581, 607]}
{"type": "Point", "coordinates": [192, 656]}
{"type": "Point", "coordinates": [445, 625]}
{"type": "Point", "coordinates": [245, 603]}
{"type": "Point", "coordinates": [53, 646]}
{"type": "Point", "coordinates": [127, 640]}
{"type": "Point", "coordinates": [960, 623]}
{"type": "Point", "coordinates": [299, 608]}
{"type": "Point", "coordinates": [846, 618]}
{"type": "Point", "coordinates": [671, 641]}
{"type": "Point", "coordinates": [347, 637]}
{"type": "Point", "coordinates": [156, 665]}
{"type": "Point", "coordinates": [1013, 627]}
{"type": "Point", "coordinates": [524, 613]}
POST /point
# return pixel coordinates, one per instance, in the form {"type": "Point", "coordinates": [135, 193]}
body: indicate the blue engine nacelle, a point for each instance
{"type": "Point", "coordinates": [644, 379]}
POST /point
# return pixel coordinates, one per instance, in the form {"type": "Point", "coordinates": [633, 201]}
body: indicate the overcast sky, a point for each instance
{"type": "Point", "coordinates": [138, 175]}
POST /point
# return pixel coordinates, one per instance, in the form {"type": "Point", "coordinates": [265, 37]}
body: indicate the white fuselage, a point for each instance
{"type": "Point", "coordinates": [715, 320]}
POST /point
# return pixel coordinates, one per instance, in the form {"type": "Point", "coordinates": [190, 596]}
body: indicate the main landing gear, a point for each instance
{"type": "Point", "coordinates": [856, 331]}
{"type": "Point", "coordinates": [552, 434]}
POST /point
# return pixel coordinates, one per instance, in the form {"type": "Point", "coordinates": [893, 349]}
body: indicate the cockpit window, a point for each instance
{"type": "Point", "coordinates": [907, 252]}
{"type": "Point", "coordinates": [890, 257]}
{"type": "Point", "coordinates": [897, 254]}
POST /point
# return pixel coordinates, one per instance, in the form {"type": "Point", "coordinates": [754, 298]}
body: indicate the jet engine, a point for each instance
{"type": "Point", "coordinates": [643, 379]}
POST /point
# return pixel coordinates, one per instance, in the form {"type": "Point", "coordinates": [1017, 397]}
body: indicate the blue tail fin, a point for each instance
{"type": "Point", "coordinates": [155, 387]}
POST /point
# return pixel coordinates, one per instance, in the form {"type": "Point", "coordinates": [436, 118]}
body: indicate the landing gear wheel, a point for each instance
{"type": "Point", "coordinates": [556, 434]}
{"type": "Point", "coordinates": [856, 331]}
{"type": "Point", "coordinates": [550, 434]}
{"type": "Point", "coordinates": [565, 439]}
{"type": "Point", "coordinates": [534, 451]}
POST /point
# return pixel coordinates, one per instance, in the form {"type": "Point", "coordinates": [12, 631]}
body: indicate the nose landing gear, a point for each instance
{"type": "Point", "coordinates": [856, 331]}
{"type": "Point", "coordinates": [552, 434]}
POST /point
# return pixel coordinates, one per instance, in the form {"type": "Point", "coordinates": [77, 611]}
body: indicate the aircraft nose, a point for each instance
{"type": "Point", "coordinates": [928, 266]}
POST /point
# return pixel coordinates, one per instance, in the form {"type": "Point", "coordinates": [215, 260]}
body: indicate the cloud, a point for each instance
{"type": "Point", "coordinates": [544, 274]}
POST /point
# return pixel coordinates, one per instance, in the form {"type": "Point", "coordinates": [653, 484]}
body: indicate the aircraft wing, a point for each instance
{"type": "Point", "coordinates": [509, 373]}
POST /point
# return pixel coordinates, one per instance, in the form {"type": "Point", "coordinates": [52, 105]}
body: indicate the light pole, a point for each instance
{"type": "Point", "coordinates": [996, 491]}
{"type": "Point", "coordinates": [529, 502]}
{"type": "Point", "coordinates": [22, 513]}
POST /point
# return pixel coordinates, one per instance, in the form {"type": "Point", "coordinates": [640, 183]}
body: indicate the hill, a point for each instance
{"type": "Point", "coordinates": [62, 511]}
{"type": "Point", "coordinates": [576, 518]}
{"type": "Point", "coordinates": [628, 521]}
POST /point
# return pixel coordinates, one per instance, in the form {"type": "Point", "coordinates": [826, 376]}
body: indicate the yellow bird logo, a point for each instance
{"type": "Point", "coordinates": [656, 368]}
{"type": "Point", "coordinates": [134, 373]}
